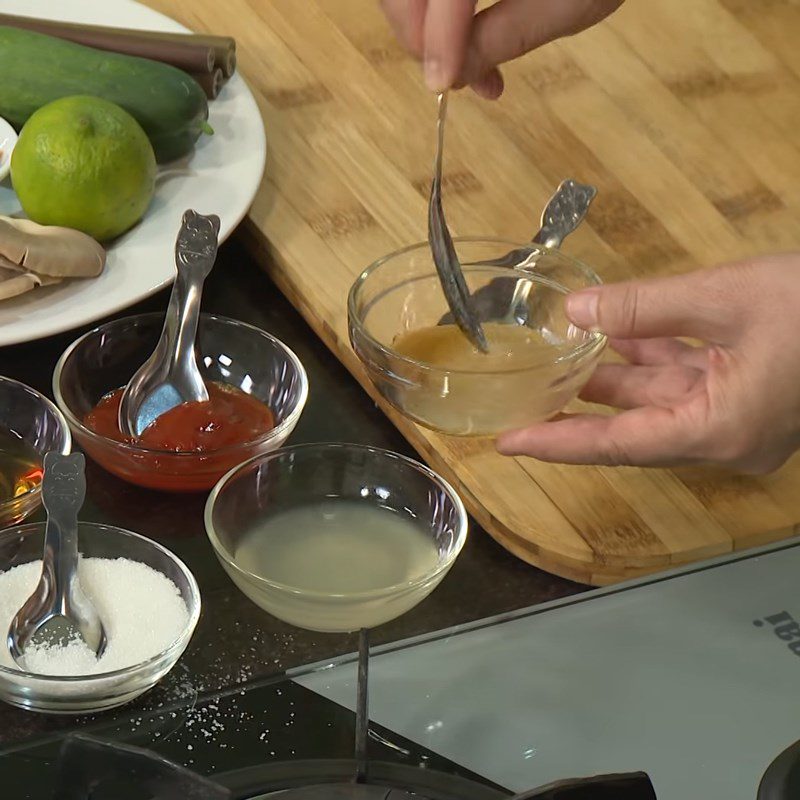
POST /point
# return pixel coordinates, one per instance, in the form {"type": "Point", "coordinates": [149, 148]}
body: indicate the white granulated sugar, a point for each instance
{"type": "Point", "coordinates": [141, 609]}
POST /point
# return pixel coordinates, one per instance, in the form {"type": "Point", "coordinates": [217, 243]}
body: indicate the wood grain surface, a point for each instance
{"type": "Point", "coordinates": [686, 116]}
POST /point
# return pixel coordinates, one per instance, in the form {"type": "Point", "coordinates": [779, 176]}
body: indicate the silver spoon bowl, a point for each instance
{"type": "Point", "coordinates": [58, 611]}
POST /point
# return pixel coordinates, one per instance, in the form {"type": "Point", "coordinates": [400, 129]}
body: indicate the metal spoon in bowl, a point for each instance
{"type": "Point", "coordinates": [564, 212]}
{"type": "Point", "coordinates": [58, 610]}
{"type": "Point", "coordinates": [444, 252]}
{"type": "Point", "coordinates": [171, 377]}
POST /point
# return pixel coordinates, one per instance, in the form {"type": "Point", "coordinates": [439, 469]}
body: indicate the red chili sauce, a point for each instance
{"type": "Point", "coordinates": [229, 417]}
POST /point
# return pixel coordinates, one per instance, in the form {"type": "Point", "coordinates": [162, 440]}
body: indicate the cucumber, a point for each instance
{"type": "Point", "coordinates": [36, 69]}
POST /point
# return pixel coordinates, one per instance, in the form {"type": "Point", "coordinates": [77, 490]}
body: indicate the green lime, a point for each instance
{"type": "Point", "coordinates": [84, 163]}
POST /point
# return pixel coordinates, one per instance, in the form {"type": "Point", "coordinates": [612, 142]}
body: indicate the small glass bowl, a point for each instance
{"type": "Point", "coordinates": [401, 293]}
{"type": "Point", "coordinates": [309, 474]}
{"type": "Point", "coordinates": [93, 693]}
{"type": "Point", "coordinates": [228, 352]}
{"type": "Point", "coordinates": [30, 416]}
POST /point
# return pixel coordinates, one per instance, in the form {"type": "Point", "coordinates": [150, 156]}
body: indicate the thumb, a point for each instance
{"type": "Point", "coordinates": [447, 30]}
{"type": "Point", "coordinates": [695, 305]}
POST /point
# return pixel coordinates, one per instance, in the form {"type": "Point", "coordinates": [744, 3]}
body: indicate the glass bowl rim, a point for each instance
{"type": "Point", "coordinates": [596, 340]}
{"type": "Point", "coordinates": [460, 536]}
{"type": "Point", "coordinates": [137, 449]}
{"type": "Point", "coordinates": [66, 439]}
{"type": "Point", "coordinates": [141, 666]}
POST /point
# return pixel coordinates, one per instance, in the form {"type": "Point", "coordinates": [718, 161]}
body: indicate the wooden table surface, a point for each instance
{"type": "Point", "coordinates": [686, 116]}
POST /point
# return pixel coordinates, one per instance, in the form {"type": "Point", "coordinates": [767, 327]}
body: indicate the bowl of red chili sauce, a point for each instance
{"type": "Point", "coordinates": [257, 391]}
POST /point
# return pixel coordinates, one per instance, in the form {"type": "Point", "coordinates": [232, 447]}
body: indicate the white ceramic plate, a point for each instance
{"type": "Point", "coordinates": [8, 138]}
{"type": "Point", "coordinates": [221, 177]}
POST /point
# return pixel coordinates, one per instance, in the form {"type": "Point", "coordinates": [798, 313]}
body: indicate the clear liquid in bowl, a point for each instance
{"type": "Point", "coordinates": [20, 466]}
{"type": "Point", "coordinates": [427, 369]}
{"type": "Point", "coordinates": [353, 551]}
{"type": "Point", "coordinates": [525, 377]}
{"type": "Point", "coordinates": [511, 347]}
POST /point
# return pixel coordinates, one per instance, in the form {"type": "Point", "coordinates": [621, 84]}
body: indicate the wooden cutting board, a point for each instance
{"type": "Point", "coordinates": [686, 116]}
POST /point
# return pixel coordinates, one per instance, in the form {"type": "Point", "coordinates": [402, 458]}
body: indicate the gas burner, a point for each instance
{"type": "Point", "coordinates": [781, 781]}
{"type": "Point", "coordinates": [343, 791]}
{"type": "Point", "coordinates": [91, 769]}
{"type": "Point", "coordinates": [333, 780]}
{"type": "Point", "coordinates": [321, 779]}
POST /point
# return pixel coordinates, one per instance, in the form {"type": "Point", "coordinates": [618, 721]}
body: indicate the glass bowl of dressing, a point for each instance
{"type": "Point", "coordinates": [423, 365]}
{"type": "Point", "coordinates": [30, 426]}
{"type": "Point", "coordinates": [147, 630]}
{"type": "Point", "coordinates": [257, 383]}
{"type": "Point", "coordinates": [335, 537]}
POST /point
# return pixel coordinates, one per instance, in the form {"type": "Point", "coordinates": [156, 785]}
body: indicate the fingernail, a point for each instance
{"type": "Point", "coordinates": [503, 445]}
{"type": "Point", "coordinates": [582, 308]}
{"type": "Point", "coordinates": [497, 85]}
{"type": "Point", "coordinates": [434, 75]}
{"type": "Point", "coordinates": [490, 87]}
{"type": "Point", "coordinates": [509, 443]}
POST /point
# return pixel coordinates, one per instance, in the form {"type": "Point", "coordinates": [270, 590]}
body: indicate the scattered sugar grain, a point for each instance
{"type": "Point", "coordinates": [141, 608]}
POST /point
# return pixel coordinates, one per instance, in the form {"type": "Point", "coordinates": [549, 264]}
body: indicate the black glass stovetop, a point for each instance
{"type": "Point", "coordinates": [241, 734]}
{"type": "Point", "coordinates": [272, 737]}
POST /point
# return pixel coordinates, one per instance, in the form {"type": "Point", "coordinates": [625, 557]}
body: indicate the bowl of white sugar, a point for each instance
{"type": "Point", "coordinates": [147, 598]}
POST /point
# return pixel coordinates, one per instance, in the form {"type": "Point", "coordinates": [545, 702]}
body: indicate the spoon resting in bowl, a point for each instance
{"type": "Point", "coordinates": [171, 377]}
{"type": "Point", "coordinates": [58, 611]}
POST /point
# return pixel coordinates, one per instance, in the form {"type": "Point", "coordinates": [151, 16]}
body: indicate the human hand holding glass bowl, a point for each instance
{"type": "Point", "coordinates": [545, 369]}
